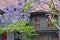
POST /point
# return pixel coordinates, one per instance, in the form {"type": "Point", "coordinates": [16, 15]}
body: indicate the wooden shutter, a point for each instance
{"type": "Point", "coordinates": [36, 19]}
{"type": "Point", "coordinates": [4, 36]}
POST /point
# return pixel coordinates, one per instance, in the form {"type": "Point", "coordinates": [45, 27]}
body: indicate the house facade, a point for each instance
{"type": "Point", "coordinates": [39, 20]}
{"type": "Point", "coordinates": [42, 25]}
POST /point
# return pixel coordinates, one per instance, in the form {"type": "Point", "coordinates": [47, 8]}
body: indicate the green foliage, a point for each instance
{"type": "Point", "coordinates": [11, 26]}
{"type": "Point", "coordinates": [1, 30]}
{"type": "Point", "coordinates": [26, 28]}
{"type": "Point", "coordinates": [53, 10]}
{"type": "Point", "coordinates": [20, 26]}
{"type": "Point", "coordinates": [59, 0]}
{"type": "Point", "coordinates": [59, 25]}
{"type": "Point", "coordinates": [50, 2]}
{"type": "Point", "coordinates": [26, 7]}
{"type": "Point", "coordinates": [53, 21]}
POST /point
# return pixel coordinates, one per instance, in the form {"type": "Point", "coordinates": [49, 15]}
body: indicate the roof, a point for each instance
{"type": "Point", "coordinates": [42, 5]}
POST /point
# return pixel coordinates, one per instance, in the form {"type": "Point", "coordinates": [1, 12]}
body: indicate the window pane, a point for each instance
{"type": "Point", "coordinates": [49, 23]}
{"type": "Point", "coordinates": [37, 20]}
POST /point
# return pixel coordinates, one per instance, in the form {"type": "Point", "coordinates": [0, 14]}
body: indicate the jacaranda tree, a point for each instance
{"type": "Point", "coordinates": [19, 17]}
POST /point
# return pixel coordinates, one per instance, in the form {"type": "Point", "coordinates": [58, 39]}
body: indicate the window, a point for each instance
{"type": "Point", "coordinates": [36, 20]}
{"type": "Point", "coordinates": [49, 23]}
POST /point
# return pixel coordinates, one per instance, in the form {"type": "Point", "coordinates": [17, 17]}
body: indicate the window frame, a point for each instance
{"type": "Point", "coordinates": [36, 21]}
{"type": "Point", "coordinates": [49, 23]}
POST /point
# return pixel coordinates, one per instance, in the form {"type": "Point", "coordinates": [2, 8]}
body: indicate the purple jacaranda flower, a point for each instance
{"type": "Point", "coordinates": [16, 8]}
{"type": "Point", "coordinates": [30, 9]}
{"type": "Point", "coordinates": [26, 17]}
{"type": "Point", "coordinates": [17, 17]}
{"type": "Point", "coordinates": [19, 3]}
{"type": "Point", "coordinates": [25, 0]}
{"type": "Point", "coordinates": [0, 17]}
{"type": "Point", "coordinates": [55, 0]}
{"type": "Point", "coordinates": [11, 11]}
{"type": "Point", "coordinates": [27, 20]}
{"type": "Point", "coordinates": [22, 14]}
{"type": "Point", "coordinates": [35, 0]}
{"type": "Point", "coordinates": [28, 14]}
{"type": "Point", "coordinates": [10, 8]}
{"type": "Point", "coordinates": [58, 5]}
{"type": "Point", "coordinates": [13, 20]}
{"type": "Point", "coordinates": [41, 0]}
{"type": "Point", "coordinates": [2, 21]}
{"type": "Point", "coordinates": [5, 9]}
{"type": "Point", "coordinates": [44, 1]}
{"type": "Point", "coordinates": [16, 13]}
